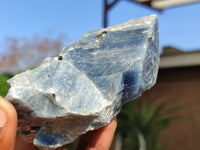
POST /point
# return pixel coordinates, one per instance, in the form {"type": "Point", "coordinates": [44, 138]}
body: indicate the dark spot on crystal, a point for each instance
{"type": "Point", "coordinates": [54, 95]}
{"type": "Point", "coordinates": [104, 32]}
{"type": "Point", "coordinates": [49, 76]}
{"type": "Point", "coordinates": [60, 57]}
{"type": "Point", "coordinates": [101, 34]}
{"type": "Point", "coordinates": [150, 39]}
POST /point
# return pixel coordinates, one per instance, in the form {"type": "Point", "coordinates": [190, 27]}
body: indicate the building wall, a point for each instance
{"type": "Point", "coordinates": [180, 86]}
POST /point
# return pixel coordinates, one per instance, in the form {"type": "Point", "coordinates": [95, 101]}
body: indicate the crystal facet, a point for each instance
{"type": "Point", "coordinates": [86, 85]}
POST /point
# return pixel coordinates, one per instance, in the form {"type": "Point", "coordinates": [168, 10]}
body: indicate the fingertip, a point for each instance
{"type": "Point", "coordinates": [22, 145]}
{"type": "Point", "coordinates": [8, 131]}
{"type": "Point", "coordinates": [105, 136]}
{"type": "Point", "coordinates": [100, 139]}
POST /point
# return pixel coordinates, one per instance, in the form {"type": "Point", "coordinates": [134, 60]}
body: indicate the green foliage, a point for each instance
{"type": "Point", "coordinates": [3, 84]}
{"type": "Point", "coordinates": [140, 124]}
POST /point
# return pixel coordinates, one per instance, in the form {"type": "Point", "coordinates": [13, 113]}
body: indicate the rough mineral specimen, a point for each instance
{"type": "Point", "coordinates": [86, 85]}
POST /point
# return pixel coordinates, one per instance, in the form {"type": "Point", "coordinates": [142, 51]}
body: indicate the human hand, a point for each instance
{"type": "Point", "coordinates": [100, 139]}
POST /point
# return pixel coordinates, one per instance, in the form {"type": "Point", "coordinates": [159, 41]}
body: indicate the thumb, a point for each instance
{"type": "Point", "coordinates": [8, 125]}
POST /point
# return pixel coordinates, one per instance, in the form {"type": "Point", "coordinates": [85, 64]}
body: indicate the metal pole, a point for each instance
{"type": "Point", "coordinates": [105, 13]}
{"type": "Point", "coordinates": [106, 9]}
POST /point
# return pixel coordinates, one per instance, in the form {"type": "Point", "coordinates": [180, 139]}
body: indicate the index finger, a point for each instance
{"type": "Point", "coordinates": [100, 139]}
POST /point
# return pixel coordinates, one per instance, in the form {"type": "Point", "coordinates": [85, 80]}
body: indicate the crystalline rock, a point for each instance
{"type": "Point", "coordinates": [86, 85]}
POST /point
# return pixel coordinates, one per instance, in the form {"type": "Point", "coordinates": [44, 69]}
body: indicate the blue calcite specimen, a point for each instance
{"type": "Point", "coordinates": [86, 85]}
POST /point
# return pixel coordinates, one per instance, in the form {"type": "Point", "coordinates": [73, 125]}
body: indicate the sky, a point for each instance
{"type": "Point", "coordinates": [179, 26]}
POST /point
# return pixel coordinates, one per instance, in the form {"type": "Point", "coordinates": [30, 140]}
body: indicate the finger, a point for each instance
{"type": "Point", "coordinates": [8, 132]}
{"type": "Point", "coordinates": [104, 136]}
{"type": "Point", "coordinates": [22, 145]}
{"type": "Point", "coordinates": [100, 139]}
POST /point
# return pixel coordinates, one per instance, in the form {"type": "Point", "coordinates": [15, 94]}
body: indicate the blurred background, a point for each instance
{"type": "Point", "coordinates": [166, 116]}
